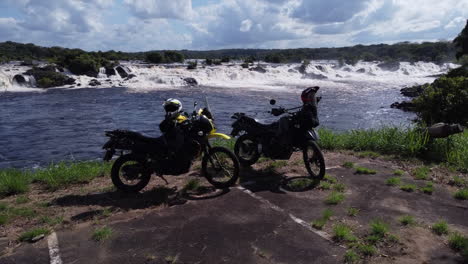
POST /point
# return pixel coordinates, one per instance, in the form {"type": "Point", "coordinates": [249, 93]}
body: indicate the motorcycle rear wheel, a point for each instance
{"type": "Point", "coordinates": [313, 160]}
{"type": "Point", "coordinates": [220, 167]}
{"type": "Point", "coordinates": [246, 150]}
{"type": "Point", "coordinates": [129, 174]}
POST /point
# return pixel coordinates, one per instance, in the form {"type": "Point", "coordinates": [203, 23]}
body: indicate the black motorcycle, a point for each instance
{"type": "Point", "coordinates": [258, 139]}
{"type": "Point", "coordinates": [141, 156]}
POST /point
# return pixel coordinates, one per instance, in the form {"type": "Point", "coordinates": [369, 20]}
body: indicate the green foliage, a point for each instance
{"type": "Point", "coordinates": [13, 181]}
{"type": "Point", "coordinates": [461, 42]}
{"type": "Point", "coordinates": [209, 62]}
{"type": "Point", "coordinates": [362, 170]}
{"type": "Point", "coordinates": [339, 187]}
{"type": "Point", "coordinates": [343, 233]}
{"type": "Point", "coordinates": [29, 235]}
{"type": "Point", "coordinates": [393, 181]}
{"type": "Point", "coordinates": [173, 56]}
{"type": "Point", "coordinates": [398, 172]}
{"type": "Point", "coordinates": [22, 199]}
{"type": "Point", "coordinates": [366, 250]}
{"type": "Point", "coordinates": [275, 58]}
{"type": "Point", "coordinates": [154, 57]}
{"type": "Point", "coordinates": [330, 178]}
{"type": "Point", "coordinates": [461, 194]}
{"type": "Point", "coordinates": [368, 154]}
{"type": "Point", "coordinates": [440, 228]}
{"type": "Point", "coordinates": [52, 221]}
{"type": "Point", "coordinates": [324, 185]}
{"type": "Point", "coordinates": [407, 220]}
{"type": "Point", "coordinates": [458, 181]}
{"type": "Point", "coordinates": [103, 233]}
{"type": "Point", "coordinates": [334, 198]}
{"type": "Point", "coordinates": [83, 64]}
{"type": "Point", "coordinates": [428, 188]}
{"type": "Point", "coordinates": [444, 101]}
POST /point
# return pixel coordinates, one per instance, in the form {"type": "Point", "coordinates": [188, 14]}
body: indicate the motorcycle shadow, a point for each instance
{"type": "Point", "coordinates": [268, 180]}
{"type": "Point", "coordinates": [159, 195]}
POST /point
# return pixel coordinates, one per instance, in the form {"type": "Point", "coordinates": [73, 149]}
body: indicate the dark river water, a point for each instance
{"type": "Point", "coordinates": [39, 128]}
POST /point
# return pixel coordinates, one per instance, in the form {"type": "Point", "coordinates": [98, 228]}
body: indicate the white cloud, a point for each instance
{"type": "Point", "coordinates": [245, 25]}
{"type": "Point", "coordinates": [177, 9]}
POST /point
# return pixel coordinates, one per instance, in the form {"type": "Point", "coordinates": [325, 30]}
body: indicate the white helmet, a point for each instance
{"type": "Point", "coordinates": [172, 106]}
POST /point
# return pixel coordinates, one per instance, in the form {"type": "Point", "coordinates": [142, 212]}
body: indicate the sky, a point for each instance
{"type": "Point", "coordinates": [142, 25]}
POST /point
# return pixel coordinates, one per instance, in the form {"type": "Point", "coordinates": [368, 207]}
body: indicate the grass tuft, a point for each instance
{"type": "Point", "coordinates": [52, 221]}
{"type": "Point", "coordinates": [440, 228]}
{"type": "Point", "coordinates": [348, 164]}
{"type": "Point", "coordinates": [393, 181]}
{"type": "Point", "coordinates": [351, 256]}
{"type": "Point", "coordinates": [353, 211]}
{"type": "Point", "coordinates": [458, 181]}
{"type": "Point", "coordinates": [192, 185]}
{"type": "Point", "coordinates": [379, 228]}
{"type": "Point", "coordinates": [366, 250]}
{"type": "Point", "coordinates": [320, 223]}
{"type": "Point", "coordinates": [408, 187]}
{"type": "Point", "coordinates": [428, 189]}
{"type": "Point", "coordinates": [407, 220]}
{"type": "Point", "coordinates": [29, 235]}
{"type": "Point", "coordinates": [343, 233]}
{"type": "Point", "coordinates": [363, 170]}
{"type": "Point", "coordinates": [368, 154]}
{"type": "Point", "coordinates": [339, 187]}
{"type": "Point", "coordinates": [13, 181]}
{"type": "Point", "coordinates": [461, 194]}
{"type": "Point", "coordinates": [334, 198]}
{"type": "Point", "coordinates": [324, 185]}
{"type": "Point", "coordinates": [300, 184]}
{"type": "Point", "coordinates": [330, 179]}
{"type": "Point", "coordinates": [458, 242]}
{"type": "Point", "coordinates": [103, 233]}
{"type": "Point", "coordinates": [421, 173]}
{"type": "Point", "coordinates": [398, 172]}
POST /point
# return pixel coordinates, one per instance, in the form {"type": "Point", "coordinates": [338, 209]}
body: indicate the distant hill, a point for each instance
{"type": "Point", "coordinates": [428, 51]}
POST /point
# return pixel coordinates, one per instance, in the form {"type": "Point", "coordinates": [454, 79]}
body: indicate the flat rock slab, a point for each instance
{"type": "Point", "coordinates": [232, 228]}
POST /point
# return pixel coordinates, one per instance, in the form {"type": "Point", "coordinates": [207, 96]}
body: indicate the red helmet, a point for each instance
{"type": "Point", "coordinates": [308, 95]}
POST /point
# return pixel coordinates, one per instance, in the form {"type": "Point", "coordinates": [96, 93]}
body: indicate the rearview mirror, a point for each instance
{"type": "Point", "coordinates": [272, 101]}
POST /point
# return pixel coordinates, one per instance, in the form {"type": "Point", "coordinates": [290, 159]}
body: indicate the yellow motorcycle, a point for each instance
{"type": "Point", "coordinates": [143, 156]}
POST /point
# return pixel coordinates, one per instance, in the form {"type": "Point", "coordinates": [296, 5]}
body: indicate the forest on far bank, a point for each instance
{"type": "Point", "coordinates": [438, 52]}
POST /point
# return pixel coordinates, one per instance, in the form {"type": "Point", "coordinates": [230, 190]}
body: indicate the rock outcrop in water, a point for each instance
{"type": "Point", "coordinates": [122, 71]}
{"type": "Point", "coordinates": [94, 82]}
{"type": "Point", "coordinates": [405, 106]}
{"type": "Point", "coordinates": [191, 81]}
{"type": "Point", "coordinates": [413, 91]}
{"type": "Point", "coordinates": [259, 69]}
{"type": "Point", "coordinates": [48, 76]}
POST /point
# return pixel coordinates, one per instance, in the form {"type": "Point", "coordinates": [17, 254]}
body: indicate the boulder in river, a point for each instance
{"type": "Point", "coordinates": [48, 76]}
{"type": "Point", "coordinates": [122, 71]}
{"type": "Point", "coordinates": [94, 82]}
{"type": "Point", "coordinates": [405, 106]}
{"type": "Point", "coordinates": [19, 79]}
{"type": "Point", "coordinates": [130, 76]}
{"type": "Point", "coordinates": [389, 65]}
{"type": "Point", "coordinates": [110, 71]}
{"type": "Point", "coordinates": [259, 69]}
{"type": "Point", "coordinates": [191, 81]}
{"type": "Point", "coordinates": [311, 75]}
{"type": "Point", "coordinates": [414, 91]}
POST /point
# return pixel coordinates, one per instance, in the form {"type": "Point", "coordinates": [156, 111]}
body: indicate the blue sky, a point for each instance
{"type": "Point", "coordinates": [140, 25]}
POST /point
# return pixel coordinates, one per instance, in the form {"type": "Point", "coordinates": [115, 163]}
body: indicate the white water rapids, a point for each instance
{"type": "Point", "coordinates": [266, 77]}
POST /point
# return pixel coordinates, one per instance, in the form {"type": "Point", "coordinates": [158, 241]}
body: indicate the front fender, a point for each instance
{"type": "Point", "coordinates": [219, 135]}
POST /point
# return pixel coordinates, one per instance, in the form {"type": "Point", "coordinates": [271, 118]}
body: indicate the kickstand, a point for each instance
{"type": "Point", "coordinates": [164, 179]}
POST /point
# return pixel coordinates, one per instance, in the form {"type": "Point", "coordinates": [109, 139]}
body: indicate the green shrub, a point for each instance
{"type": "Point", "coordinates": [154, 57]}
{"type": "Point", "coordinates": [192, 65]}
{"type": "Point", "coordinates": [173, 56]}
{"type": "Point", "coordinates": [440, 228]}
{"type": "Point", "coordinates": [84, 64]}
{"type": "Point", "coordinates": [444, 101]}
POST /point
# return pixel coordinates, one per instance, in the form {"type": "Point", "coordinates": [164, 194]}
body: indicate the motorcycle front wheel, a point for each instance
{"type": "Point", "coordinates": [313, 160]}
{"type": "Point", "coordinates": [246, 150]}
{"type": "Point", "coordinates": [129, 174]}
{"type": "Point", "coordinates": [220, 167]}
